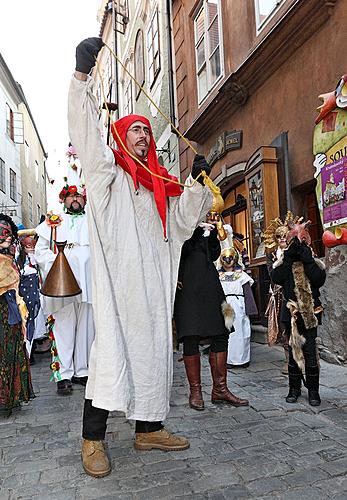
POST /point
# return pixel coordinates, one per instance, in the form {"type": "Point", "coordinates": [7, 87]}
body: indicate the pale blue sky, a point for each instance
{"type": "Point", "coordinates": [38, 40]}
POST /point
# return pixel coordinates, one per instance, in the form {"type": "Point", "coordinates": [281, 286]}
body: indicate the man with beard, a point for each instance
{"type": "Point", "coordinates": [139, 219]}
{"type": "Point", "coordinates": [72, 316]}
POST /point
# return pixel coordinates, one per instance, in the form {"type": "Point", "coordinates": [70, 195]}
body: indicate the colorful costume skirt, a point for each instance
{"type": "Point", "coordinates": [15, 379]}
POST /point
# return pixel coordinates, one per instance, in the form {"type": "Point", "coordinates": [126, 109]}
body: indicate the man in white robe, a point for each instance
{"type": "Point", "coordinates": [137, 229]}
{"type": "Point", "coordinates": [74, 326]}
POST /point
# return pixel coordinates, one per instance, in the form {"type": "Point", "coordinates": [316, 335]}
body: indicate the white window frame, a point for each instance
{"type": "Point", "coordinates": [13, 185]}
{"type": "Point", "coordinates": [260, 24]}
{"type": "Point", "coordinates": [210, 85]}
{"type": "Point", "coordinates": [149, 48]}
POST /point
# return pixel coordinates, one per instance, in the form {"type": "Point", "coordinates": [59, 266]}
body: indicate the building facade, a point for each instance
{"type": "Point", "coordinates": [23, 173]}
{"type": "Point", "coordinates": [139, 32]}
{"type": "Point", "coordinates": [248, 73]}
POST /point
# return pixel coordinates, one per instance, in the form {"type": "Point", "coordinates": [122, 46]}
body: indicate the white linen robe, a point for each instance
{"type": "Point", "coordinates": [239, 347]}
{"type": "Point", "coordinates": [134, 272]}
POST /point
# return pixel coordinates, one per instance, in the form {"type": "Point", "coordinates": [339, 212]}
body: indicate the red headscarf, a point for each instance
{"type": "Point", "coordinates": [160, 188]}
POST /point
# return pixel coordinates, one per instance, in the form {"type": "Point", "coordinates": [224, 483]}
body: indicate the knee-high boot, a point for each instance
{"type": "Point", "coordinates": [220, 391]}
{"type": "Point", "coordinates": [294, 378]}
{"type": "Point", "coordinates": [312, 383]}
{"type": "Point", "coordinates": [192, 366]}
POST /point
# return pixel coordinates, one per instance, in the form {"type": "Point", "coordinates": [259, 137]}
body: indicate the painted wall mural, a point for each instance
{"type": "Point", "coordinates": [330, 162]}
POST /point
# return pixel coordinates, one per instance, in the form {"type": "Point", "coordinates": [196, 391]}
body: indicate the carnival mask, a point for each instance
{"type": "Point", "coordinates": [5, 232]}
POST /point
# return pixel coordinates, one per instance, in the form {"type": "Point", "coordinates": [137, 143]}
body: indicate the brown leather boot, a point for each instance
{"type": "Point", "coordinates": [220, 391]}
{"type": "Point", "coordinates": [192, 366]}
{"type": "Point", "coordinates": [160, 440]}
{"type": "Point", "coordinates": [94, 458]}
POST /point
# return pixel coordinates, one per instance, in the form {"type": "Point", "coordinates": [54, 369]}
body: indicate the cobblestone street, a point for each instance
{"type": "Point", "coordinates": [271, 449]}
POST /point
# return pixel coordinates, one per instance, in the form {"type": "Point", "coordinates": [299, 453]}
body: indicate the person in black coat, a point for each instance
{"type": "Point", "coordinates": [198, 314]}
{"type": "Point", "coordinates": [301, 276]}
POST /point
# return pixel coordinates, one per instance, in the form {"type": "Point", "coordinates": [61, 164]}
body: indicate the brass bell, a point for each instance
{"type": "Point", "coordinates": [60, 281]}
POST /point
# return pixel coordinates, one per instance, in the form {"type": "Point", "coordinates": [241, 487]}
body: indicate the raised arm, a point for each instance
{"type": "Point", "coordinates": [85, 130]}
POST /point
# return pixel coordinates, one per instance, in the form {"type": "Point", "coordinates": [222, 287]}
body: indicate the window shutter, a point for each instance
{"type": "Point", "coordinates": [18, 128]}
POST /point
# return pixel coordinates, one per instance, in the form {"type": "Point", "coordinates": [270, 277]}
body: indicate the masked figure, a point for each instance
{"type": "Point", "coordinates": [301, 275]}
{"type": "Point", "coordinates": [15, 379]}
{"type": "Point", "coordinates": [237, 284]}
{"type": "Point", "coordinates": [275, 239]}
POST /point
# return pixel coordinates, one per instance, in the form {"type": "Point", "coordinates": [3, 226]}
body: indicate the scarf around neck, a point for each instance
{"type": "Point", "coordinates": [162, 189]}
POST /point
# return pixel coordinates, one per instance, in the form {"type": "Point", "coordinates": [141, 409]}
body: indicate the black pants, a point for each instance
{"type": "Point", "coordinates": [95, 423]}
{"type": "Point", "coordinates": [219, 343]}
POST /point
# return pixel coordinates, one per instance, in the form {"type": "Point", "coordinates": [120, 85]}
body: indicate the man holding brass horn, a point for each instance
{"type": "Point", "coordinates": [138, 220]}
{"type": "Point", "coordinates": [72, 316]}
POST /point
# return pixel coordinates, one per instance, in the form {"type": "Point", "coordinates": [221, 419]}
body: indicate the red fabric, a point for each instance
{"type": "Point", "coordinates": [160, 188]}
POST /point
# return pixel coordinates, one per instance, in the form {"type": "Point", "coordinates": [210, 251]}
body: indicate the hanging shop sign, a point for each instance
{"type": "Point", "coordinates": [226, 142]}
{"type": "Point", "coordinates": [330, 162]}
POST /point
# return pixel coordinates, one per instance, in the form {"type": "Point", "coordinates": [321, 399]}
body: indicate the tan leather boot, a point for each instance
{"type": "Point", "coordinates": [94, 458]}
{"type": "Point", "coordinates": [160, 440]}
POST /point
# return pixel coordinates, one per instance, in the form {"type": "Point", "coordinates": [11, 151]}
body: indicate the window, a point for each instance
{"type": "Point", "coordinates": [14, 125]}
{"type": "Point", "coordinates": [139, 62]}
{"type": "Point", "coordinates": [30, 207]}
{"type": "Point", "coordinates": [207, 47]}
{"type": "Point", "coordinates": [264, 9]}
{"type": "Point", "coordinates": [2, 176]}
{"type": "Point", "coordinates": [153, 49]}
{"type": "Point", "coordinates": [38, 213]}
{"type": "Point", "coordinates": [13, 185]}
{"type": "Point", "coordinates": [128, 97]}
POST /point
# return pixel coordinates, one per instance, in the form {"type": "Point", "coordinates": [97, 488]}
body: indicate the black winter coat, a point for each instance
{"type": "Point", "coordinates": [198, 303]}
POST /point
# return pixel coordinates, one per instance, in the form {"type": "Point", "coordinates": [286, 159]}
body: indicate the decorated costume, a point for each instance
{"type": "Point", "coordinates": [73, 329]}
{"type": "Point", "coordinates": [237, 284]}
{"type": "Point", "coordinates": [301, 275]}
{"type": "Point", "coordinates": [29, 289]}
{"type": "Point", "coordinates": [275, 239]}
{"type": "Point", "coordinates": [138, 223]}
{"type": "Point", "coordinates": [15, 379]}
{"type": "Point", "coordinates": [201, 313]}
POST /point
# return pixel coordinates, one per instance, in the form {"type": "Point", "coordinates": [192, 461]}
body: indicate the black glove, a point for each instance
{"type": "Point", "coordinates": [292, 253]}
{"type": "Point", "coordinates": [305, 254]}
{"type": "Point", "coordinates": [200, 164]}
{"type": "Point", "coordinates": [86, 53]}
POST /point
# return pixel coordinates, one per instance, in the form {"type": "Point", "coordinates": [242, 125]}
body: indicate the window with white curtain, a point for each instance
{"type": "Point", "coordinates": [153, 49]}
{"type": "Point", "coordinates": [208, 46]}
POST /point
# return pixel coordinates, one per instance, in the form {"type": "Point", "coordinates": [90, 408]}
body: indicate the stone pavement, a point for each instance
{"type": "Point", "coordinates": [269, 450]}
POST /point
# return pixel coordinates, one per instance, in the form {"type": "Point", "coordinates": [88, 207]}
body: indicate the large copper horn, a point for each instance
{"type": "Point", "coordinates": [60, 281]}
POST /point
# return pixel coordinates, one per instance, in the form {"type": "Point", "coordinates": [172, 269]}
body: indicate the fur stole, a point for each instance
{"type": "Point", "coordinates": [303, 294]}
{"type": "Point", "coordinates": [305, 306]}
{"type": "Point", "coordinates": [228, 314]}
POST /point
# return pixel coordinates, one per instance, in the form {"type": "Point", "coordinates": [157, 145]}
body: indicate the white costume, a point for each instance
{"type": "Point", "coordinates": [134, 272]}
{"type": "Point", "coordinates": [73, 328]}
{"type": "Point", "coordinates": [239, 342]}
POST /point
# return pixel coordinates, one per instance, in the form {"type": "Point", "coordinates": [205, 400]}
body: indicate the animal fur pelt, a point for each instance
{"type": "Point", "coordinates": [303, 294]}
{"type": "Point", "coordinates": [296, 341]}
{"type": "Point", "coordinates": [229, 315]}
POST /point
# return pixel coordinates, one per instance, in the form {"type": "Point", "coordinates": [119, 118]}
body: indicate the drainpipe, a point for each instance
{"type": "Point", "coordinates": [286, 165]}
{"type": "Point", "coordinates": [115, 60]}
{"type": "Point", "coordinates": [170, 64]}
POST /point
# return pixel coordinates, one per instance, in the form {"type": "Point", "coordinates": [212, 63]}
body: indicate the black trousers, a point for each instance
{"type": "Point", "coordinates": [219, 343]}
{"type": "Point", "coordinates": [95, 423]}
